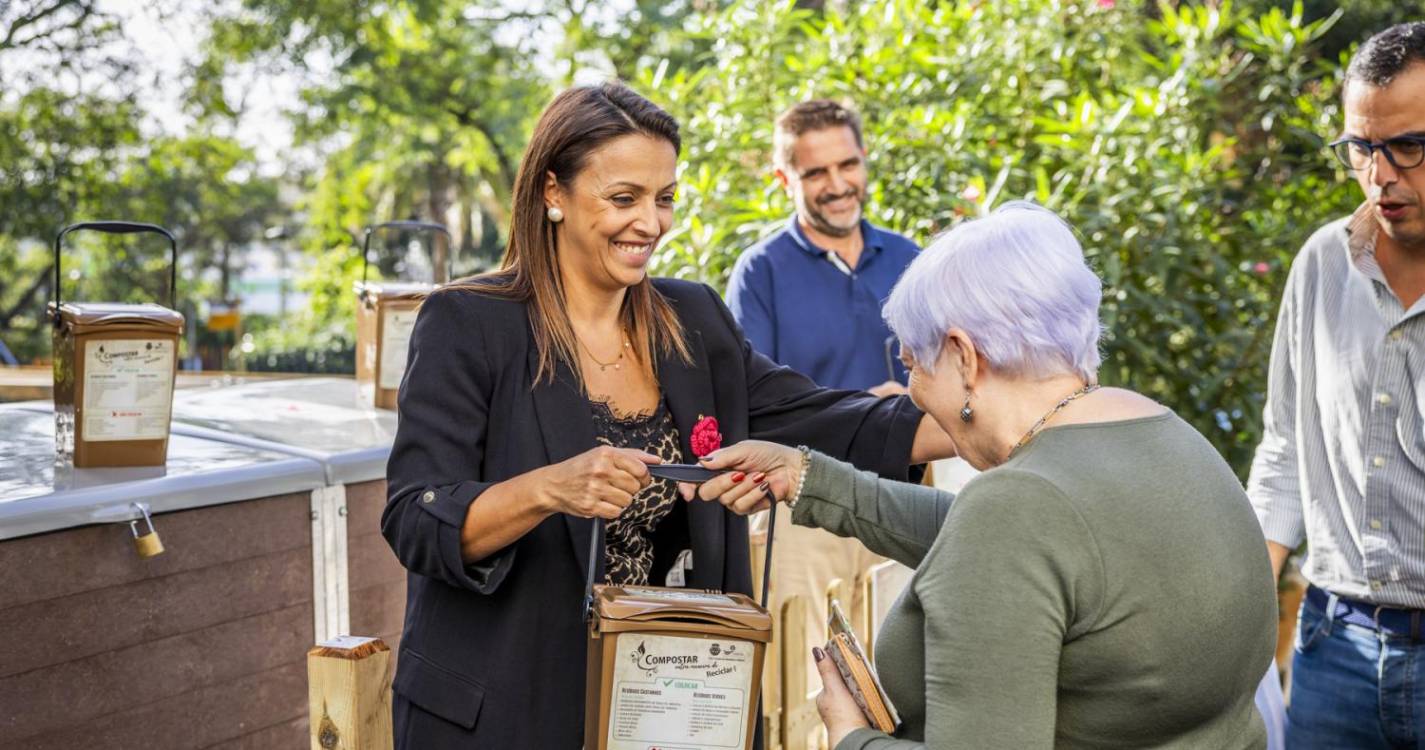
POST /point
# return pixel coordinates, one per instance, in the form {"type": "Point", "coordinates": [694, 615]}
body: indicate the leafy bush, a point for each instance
{"type": "Point", "coordinates": [330, 350]}
{"type": "Point", "coordinates": [1184, 143]}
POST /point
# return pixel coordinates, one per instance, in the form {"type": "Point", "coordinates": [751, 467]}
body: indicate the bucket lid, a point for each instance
{"type": "Point", "coordinates": [645, 603]}
{"type": "Point", "coordinates": [145, 315]}
{"type": "Point", "coordinates": [393, 289]}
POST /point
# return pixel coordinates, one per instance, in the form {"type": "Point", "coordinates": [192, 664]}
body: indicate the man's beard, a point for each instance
{"type": "Point", "coordinates": [820, 223]}
{"type": "Point", "coordinates": [1408, 236]}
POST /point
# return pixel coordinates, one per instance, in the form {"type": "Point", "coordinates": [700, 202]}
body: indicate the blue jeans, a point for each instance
{"type": "Point", "coordinates": [1353, 687]}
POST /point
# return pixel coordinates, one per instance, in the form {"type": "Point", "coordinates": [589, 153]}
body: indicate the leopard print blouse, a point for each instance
{"type": "Point", "coordinates": [628, 545]}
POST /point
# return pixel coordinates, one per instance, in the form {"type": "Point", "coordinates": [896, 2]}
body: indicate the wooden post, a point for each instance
{"type": "Point", "coordinates": [349, 694]}
{"type": "Point", "coordinates": [800, 721]}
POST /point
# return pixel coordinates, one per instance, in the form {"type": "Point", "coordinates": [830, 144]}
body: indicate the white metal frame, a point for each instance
{"type": "Point", "coordinates": [331, 601]}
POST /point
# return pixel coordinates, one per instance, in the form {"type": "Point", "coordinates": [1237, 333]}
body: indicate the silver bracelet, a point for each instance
{"type": "Point", "coordinates": [801, 477]}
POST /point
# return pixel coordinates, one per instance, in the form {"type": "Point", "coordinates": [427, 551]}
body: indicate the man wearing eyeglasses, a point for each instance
{"type": "Point", "coordinates": [1342, 458]}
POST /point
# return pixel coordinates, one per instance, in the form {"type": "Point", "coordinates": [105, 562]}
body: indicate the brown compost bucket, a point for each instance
{"type": "Point", "coordinates": [671, 667]}
{"type": "Point", "coordinates": [114, 369]}
{"type": "Point", "coordinates": [385, 314]}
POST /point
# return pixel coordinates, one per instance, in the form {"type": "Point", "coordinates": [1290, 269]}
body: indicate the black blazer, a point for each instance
{"type": "Point", "coordinates": [493, 653]}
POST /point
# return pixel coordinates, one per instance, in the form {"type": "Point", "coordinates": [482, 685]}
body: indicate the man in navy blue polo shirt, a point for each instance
{"type": "Point", "coordinates": [810, 295]}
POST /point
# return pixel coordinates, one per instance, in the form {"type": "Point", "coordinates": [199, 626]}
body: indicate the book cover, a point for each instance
{"type": "Point", "coordinates": [858, 672]}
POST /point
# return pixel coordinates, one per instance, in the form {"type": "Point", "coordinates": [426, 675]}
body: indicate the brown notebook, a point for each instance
{"type": "Point", "coordinates": [860, 676]}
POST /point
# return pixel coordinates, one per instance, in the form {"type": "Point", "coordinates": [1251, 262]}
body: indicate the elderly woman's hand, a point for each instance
{"type": "Point", "coordinates": [757, 474]}
{"type": "Point", "coordinates": [839, 711]}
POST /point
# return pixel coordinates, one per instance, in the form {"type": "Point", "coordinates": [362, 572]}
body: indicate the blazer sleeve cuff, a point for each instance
{"type": "Point", "coordinates": [448, 507]}
{"type": "Point", "coordinates": [895, 458]}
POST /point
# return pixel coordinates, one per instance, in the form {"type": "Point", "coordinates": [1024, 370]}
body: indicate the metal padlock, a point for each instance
{"type": "Point", "coordinates": [148, 545]}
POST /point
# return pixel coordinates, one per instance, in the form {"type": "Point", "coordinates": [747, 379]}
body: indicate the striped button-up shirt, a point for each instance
{"type": "Point", "coordinates": [1342, 458]}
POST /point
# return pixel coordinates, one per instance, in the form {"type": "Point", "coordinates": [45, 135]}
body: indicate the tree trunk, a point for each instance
{"type": "Point", "coordinates": [40, 281]}
{"type": "Point", "coordinates": [441, 184]}
{"type": "Point", "coordinates": [465, 233]}
{"type": "Point", "coordinates": [224, 271]}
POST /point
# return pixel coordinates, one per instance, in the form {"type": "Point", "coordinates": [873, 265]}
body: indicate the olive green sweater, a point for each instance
{"type": "Point", "coordinates": [1108, 586]}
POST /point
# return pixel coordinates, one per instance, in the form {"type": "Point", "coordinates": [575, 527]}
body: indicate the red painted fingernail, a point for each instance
{"type": "Point", "coordinates": [817, 653]}
{"type": "Point", "coordinates": [738, 476]}
{"type": "Point", "coordinates": [759, 476]}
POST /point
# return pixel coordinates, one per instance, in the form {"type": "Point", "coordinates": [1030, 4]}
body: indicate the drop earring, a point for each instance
{"type": "Point", "coordinates": [554, 214]}
{"type": "Point", "coordinates": [966, 413]}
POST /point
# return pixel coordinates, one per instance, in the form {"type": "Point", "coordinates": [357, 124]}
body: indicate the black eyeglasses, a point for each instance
{"type": "Point", "coordinates": [1402, 151]}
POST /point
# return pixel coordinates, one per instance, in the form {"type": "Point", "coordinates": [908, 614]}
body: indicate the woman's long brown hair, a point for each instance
{"type": "Point", "coordinates": [576, 123]}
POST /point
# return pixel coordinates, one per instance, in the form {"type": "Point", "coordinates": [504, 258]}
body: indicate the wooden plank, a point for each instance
{"type": "Point", "coordinates": [379, 610]}
{"type": "Point", "coordinates": [77, 692]}
{"type": "Point", "coordinates": [244, 713]}
{"type": "Point", "coordinates": [287, 734]}
{"type": "Point", "coordinates": [364, 503]}
{"type": "Point", "coordinates": [800, 721]}
{"type": "Point", "coordinates": [370, 561]}
{"type": "Point", "coordinates": [72, 561]}
{"type": "Point", "coordinates": [377, 580]}
{"type": "Point", "coordinates": [54, 631]}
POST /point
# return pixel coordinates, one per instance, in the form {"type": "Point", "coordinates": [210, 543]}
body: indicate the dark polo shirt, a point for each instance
{"type": "Point", "coordinates": [804, 308]}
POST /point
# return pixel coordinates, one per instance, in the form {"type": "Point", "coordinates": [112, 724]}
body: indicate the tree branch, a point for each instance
{"type": "Point", "coordinates": [9, 42]}
{"type": "Point", "coordinates": [466, 116]}
{"type": "Point", "coordinates": [24, 299]}
{"type": "Point", "coordinates": [51, 33]}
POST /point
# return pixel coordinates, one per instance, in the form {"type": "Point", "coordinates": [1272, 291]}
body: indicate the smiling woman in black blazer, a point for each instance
{"type": "Point", "coordinates": [535, 398]}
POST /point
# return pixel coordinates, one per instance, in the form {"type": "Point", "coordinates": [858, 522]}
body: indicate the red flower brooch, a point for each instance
{"type": "Point", "coordinates": [705, 438]}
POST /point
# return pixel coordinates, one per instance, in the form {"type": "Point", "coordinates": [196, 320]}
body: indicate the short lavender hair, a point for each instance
{"type": "Point", "coordinates": [1017, 283]}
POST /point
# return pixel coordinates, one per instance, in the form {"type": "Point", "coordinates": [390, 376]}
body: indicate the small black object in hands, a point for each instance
{"type": "Point", "coordinates": [683, 472]}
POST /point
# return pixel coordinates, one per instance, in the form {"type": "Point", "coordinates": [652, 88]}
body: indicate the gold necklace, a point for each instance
{"type": "Point", "coordinates": [1086, 390]}
{"type": "Point", "coordinates": [617, 364]}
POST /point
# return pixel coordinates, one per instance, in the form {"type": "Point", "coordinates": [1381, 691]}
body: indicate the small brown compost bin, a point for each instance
{"type": "Point", "coordinates": [673, 667]}
{"type": "Point", "coordinates": [385, 315]}
{"type": "Point", "coordinates": [114, 369]}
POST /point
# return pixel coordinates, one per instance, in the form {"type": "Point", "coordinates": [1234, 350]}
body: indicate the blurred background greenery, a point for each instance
{"type": "Point", "coordinates": [1184, 140]}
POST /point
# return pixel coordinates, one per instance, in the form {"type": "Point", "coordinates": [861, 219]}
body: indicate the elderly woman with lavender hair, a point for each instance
{"type": "Point", "coordinates": [1103, 582]}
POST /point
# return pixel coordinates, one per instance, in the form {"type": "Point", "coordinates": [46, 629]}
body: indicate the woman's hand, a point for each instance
{"type": "Point", "coordinates": [839, 711]}
{"type": "Point", "coordinates": [758, 473]}
{"type": "Point", "coordinates": [597, 483]}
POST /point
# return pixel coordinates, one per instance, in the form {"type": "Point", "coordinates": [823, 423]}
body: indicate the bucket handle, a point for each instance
{"type": "Point", "coordinates": [596, 536]}
{"type": "Point", "coordinates": [118, 227]}
{"type": "Point", "coordinates": [413, 225]}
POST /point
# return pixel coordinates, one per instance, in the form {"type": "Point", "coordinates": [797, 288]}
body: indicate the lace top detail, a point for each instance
{"type": "Point", "coordinates": [628, 548]}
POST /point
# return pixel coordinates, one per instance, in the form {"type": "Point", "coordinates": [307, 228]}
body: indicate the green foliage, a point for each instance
{"type": "Point", "coordinates": [1356, 20]}
{"type": "Point", "coordinates": [1182, 139]}
{"type": "Point", "coordinates": [57, 154]}
{"type": "Point", "coordinates": [72, 153]}
{"type": "Point", "coordinates": [1185, 150]}
{"type": "Point", "coordinates": [422, 116]}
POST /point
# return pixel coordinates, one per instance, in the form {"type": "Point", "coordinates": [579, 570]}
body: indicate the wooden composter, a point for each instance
{"type": "Point", "coordinates": [114, 368]}
{"type": "Point", "coordinates": [386, 313]}
{"type": "Point", "coordinates": [671, 667]}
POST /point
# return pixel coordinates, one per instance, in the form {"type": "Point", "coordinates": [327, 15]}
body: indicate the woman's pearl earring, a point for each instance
{"type": "Point", "coordinates": [554, 214]}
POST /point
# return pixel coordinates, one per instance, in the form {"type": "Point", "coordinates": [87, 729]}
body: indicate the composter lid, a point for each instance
{"type": "Point", "coordinates": [394, 289]}
{"type": "Point", "coordinates": [147, 315]}
{"type": "Point", "coordinates": [645, 603]}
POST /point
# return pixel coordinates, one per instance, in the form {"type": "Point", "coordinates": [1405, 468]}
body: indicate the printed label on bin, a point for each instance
{"type": "Point", "coordinates": [396, 328]}
{"type": "Point", "coordinates": [680, 692]}
{"type": "Point", "coordinates": [128, 389]}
